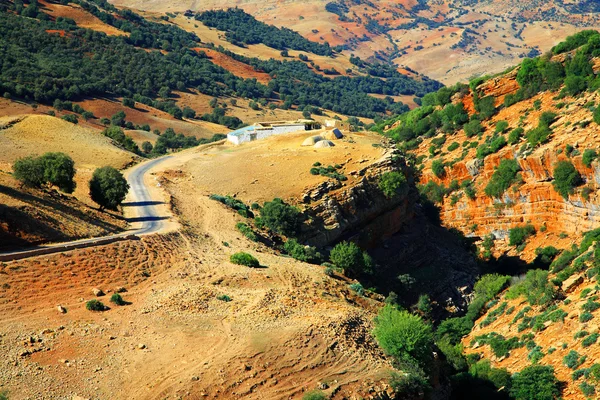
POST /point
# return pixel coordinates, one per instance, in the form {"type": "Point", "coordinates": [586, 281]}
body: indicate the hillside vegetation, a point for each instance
{"type": "Point", "coordinates": [121, 66]}
{"type": "Point", "coordinates": [510, 161]}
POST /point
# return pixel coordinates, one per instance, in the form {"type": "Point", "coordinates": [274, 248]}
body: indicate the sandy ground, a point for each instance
{"type": "Point", "coordinates": [275, 167]}
{"type": "Point", "coordinates": [287, 328]}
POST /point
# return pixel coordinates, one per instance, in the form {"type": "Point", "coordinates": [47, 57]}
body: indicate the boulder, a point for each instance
{"type": "Point", "coordinates": [570, 284]}
{"type": "Point", "coordinates": [474, 166]}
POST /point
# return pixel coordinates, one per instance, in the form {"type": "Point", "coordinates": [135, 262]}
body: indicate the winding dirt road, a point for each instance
{"type": "Point", "coordinates": [141, 211]}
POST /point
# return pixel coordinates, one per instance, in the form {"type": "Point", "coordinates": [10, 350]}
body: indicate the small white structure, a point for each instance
{"type": "Point", "coordinates": [311, 140]}
{"type": "Point", "coordinates": [263, 130]}
{"type": "Point", "coordinates": [324, 144]}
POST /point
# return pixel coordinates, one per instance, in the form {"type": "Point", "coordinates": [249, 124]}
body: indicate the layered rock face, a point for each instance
{"type": "Point", "coordinates": [359, 212]}
{"type": "Point", "coordinates": [533, 198]}
{"type": "Point", "coordinates": [413, 255]}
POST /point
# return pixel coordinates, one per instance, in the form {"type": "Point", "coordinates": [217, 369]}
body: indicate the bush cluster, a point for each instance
{"type": "Point", "coordinates": [56, 169]}
{"type": "Point", "coordinates": [245, 259]}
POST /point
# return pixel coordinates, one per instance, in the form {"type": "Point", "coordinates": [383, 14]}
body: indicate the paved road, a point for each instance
{"type": "Point", "coordinates": [144, 209]}
{"type": "Point", "coordinates": [142, 201]}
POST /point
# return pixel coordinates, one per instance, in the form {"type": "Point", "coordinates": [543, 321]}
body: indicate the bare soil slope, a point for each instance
{"type": "Point", "coordinates": [449, 40]}
{"type": "Point", "coordinates": [288, 328]}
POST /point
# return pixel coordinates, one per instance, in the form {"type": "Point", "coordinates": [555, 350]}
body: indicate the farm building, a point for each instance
{"type": "Point", "coordinates": [263, 130]}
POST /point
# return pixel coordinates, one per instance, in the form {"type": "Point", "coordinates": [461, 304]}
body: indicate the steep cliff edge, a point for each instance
{"type": "Point", "coordinates": [531, 198]}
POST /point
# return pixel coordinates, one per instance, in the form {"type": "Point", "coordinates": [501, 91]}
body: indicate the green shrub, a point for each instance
{"type": "Point", "coordinates": [393, 184]}
{"type": "Point", "coordinates": [485, 106]}
{"type": "Point", "coordinates": [589, 155]}
{"type": "Point", "coordinates": [535, 382]}
{"type": "Point", "coordinates": [57, 169]}
{"type": "Point", "coordinates": [590, 340]}
{"type": "Point", "coordinates": [246, 259]}
{"type": "Point", "coordinates": [453, 146]}
{"type": "Point", "coordinates": [578, 373]}
{"type": "Point", "coordinates": [348, 257]}
{"type": "Point", "coordinates": [594, 372]}
{"type": "Point", "coordinates": [587, 389]}
{"type": "Point", "coordinates": [108, 187]}
{"type": "Point", "coordinates": [438, 168]}
{"type": "Point", "coordinates": [515, 135]}
{"type": "Point", "coordinates": [30, 171]}
{"type": "Point", "coordinates": [411, 383]}
{"type": "Point", "coordinates": [95, 305]}
{"type": "Point", "coordinates": [234, 204]}
{"type": "Point", "coordinates": [314, 395]}
{"type": "Point", "coordinates": [302, 253]}
{"type": "Point", "coordinates": [433, 192]}
{"type": "Point", "coordinates": [538, 135]}
{"type": "Point", "coordinates": [518, 235]}
{"type": "Point", "coordinates": [357, 288]}
{"type": "Point", "coordinates": [330, 171]}
{"type": "Point", "coordinates": [490, 285]}
{"type": "Point", "coordinates": [566, 178]}
{"type": "Point", "coordinates": [500, 346]}
{"type": "Point", "coordinates": [247, 231]}
{"type": "Point", "coordinates": [590, 305]}
{"type": "Point", "coordinates": [535, 287]}
{"type": "Point", "coordinates": [573, 360]}
{"type": "Point", "coordinates": [117, 299]}
{"type": "Point", "coordinates": [402, 335]}
{"type": "Point", "coordinates": [424, 304]}
{"type": "Point", "coordinates": [502, 178]}
{"type": "Point", "coordinates": [454, 329]}
{"type": "Point", "coordinates": [580, 334]}
{"type": "Point", "coordinates": [491, 146]}
{"type": "Point", "coordinates": [535, 355]}
{"type": "Point", "coordinates": [597, 115]}
{"type": "Point", "coordinates": [473, 128]}
{"type": "Point", "coordinates": [224, 297]}
{"type": "Point", "coordinates": [585, 316]}
{"type": "Point", "coordinates": [482, 369]}
{"type": "Point", "coordinates": [281, 217]}
{"type": "Point", "coordinates": [501, 126]}
{"type": "Point", "coordinates": [545, 255]}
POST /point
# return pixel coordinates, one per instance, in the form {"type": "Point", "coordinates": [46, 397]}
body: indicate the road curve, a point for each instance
{"type": "Point", "coordinates": [141, 202]}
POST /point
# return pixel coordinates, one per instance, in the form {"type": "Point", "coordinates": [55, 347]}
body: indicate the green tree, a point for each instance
{"type": "Point", "coordinates": [438, 168]}
{"type": "Point", "coordinates": [59, 170]}
{"type": "Point", "coordinates": [350, 258]}
{"type": "Point", "coordinates": [589, 155]}
{"type": "Point", "coordinates": [566, 178]}
{"type": "Point", "coordinates": [118, 119]}
{"type": "Point", "coordinates": [473, 128]}
{"type": "Point", "coordinates": [127, 102]}
{"type": "Point", "coordinates": [392, 184]}
{"type": "Point", "coordinates": [502, 178]}
{"type": "Point", "coordinates": [30, 171]}
{"type": "Point", "coordinates": [147, 147]}
{"type": "Point", "coordinates": [597, 115]}
{"type": "Point", "coordinates": [404, 336]}
{"type": "Point", "coordinates": [281, 217]}
{"type": "Point", "coordinates": [535, 382]}
{"type": "Point", "coordinates": [189, 113]}
{"type": "Point", "coordinates": [108, 187]}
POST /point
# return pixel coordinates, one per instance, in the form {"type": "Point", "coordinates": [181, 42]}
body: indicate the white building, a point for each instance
{"type": "Point", "coordinates": [263, 130]}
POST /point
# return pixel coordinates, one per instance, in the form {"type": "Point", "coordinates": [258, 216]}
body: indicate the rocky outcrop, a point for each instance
{"type": "Point", "coordinates": [359, 211]}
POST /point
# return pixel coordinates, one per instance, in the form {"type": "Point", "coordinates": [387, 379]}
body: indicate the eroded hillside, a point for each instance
{"type": "Point", "coordinates": [511, 161]}
{"type": "Point", "coordinates": [448, 40]}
